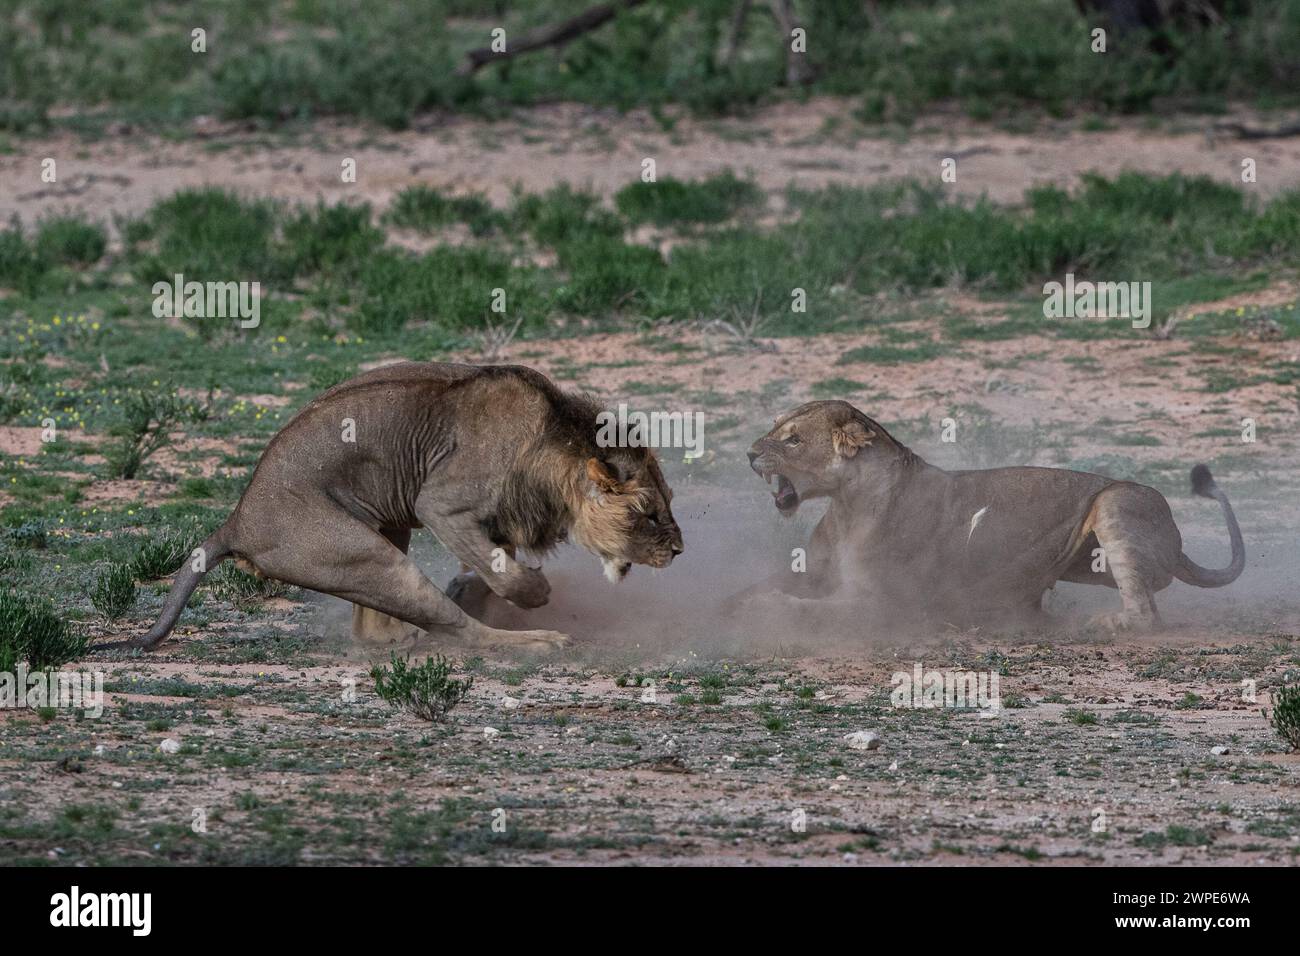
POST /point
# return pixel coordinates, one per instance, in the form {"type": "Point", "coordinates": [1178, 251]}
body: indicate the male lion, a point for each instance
{"type": "Point", "coordinates": [490, 459]}
{"type": "Point", "coordinates": [969, 545]}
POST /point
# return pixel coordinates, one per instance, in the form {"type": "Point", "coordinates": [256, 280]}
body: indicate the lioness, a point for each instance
{"type": "Point", "coordinates": [490, 459]}
{"type": "Point", "coordinates": [969, 545]}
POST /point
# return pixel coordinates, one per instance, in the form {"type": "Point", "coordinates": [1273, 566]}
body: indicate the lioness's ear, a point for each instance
{"type": "Point", "coordinates": [849, 437]}
{"type": "Point", "coordinates": [599, 474]}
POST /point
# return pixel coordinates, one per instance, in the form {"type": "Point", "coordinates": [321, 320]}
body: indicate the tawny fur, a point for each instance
{"type": "Point", "coordinates": [965, 547]}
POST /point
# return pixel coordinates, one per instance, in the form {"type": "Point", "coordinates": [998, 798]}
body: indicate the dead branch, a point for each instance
{"type": "Point", "coordinates": [557, 34]}
{"type": "Point", "coordinates": [798, 71]}
{"type": "Point", "coordinates": [1241, 131]}
{"type": "Point", "coordinates": [738, 19]}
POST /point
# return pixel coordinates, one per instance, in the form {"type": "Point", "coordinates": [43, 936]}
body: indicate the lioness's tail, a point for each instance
{"type": "Point", "coordinates": [207, 556]}
{"type": "Point", "coordinates": [1188, 570]}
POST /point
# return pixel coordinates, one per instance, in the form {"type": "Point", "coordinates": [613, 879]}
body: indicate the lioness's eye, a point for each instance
{"type": "Point", "coordinates": [792, 440]}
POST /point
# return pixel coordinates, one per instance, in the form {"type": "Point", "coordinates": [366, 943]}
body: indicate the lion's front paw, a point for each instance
{"type": "Point", "coordinates": [1121, 621]}
{"type": "Point", "coordinates": [529, 589]}
{"type": "Point", "coordinates": [542, 641]}
{"type": "Point", "coordinates": [470, 593]}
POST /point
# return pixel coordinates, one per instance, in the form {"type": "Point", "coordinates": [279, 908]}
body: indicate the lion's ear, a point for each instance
{"type": "Point", "coordinates": [850, 437]}
{"type": "Point", "coordinates": [600, 475]}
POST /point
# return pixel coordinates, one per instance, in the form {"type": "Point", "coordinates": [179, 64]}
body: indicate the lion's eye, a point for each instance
{"type": "Point", "coordinates": [791, 440]}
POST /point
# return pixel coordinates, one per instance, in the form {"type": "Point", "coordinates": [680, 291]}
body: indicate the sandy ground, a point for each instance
{"type": "Point", "coordinates": [809, 144]}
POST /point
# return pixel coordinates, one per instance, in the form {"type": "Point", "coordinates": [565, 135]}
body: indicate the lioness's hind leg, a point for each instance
{"type": "Point", "coordinates": [1141, 545]}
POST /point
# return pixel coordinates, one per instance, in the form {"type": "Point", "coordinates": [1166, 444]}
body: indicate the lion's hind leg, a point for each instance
{"type": "Point", "coordinates": [332, 552]}
{"type": "Point", "coordinates": [374, 628]}
{"type": "Point", "coordinates": [1140, 545]}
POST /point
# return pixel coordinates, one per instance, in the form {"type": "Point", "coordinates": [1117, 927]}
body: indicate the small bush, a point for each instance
{"type": "Point", "coordinates": [20, 267]}
{"type": "Point", "coordinates": [425, 209]}
{"type": "Point", "coordinates": [669, 201]}
{"type": "Point", "coordinates": [562, 214]}
{"type": "Point", "coordinates": [241, 588]}
{"type": "Point", "coordinates": [148, 418]}
{"type": "Point", "coordinates": [114, 592]}
{"type": "Point", "coordinates": [210, 235]}
{"type": "Point", "coordinates": [164, 550]}
{"type": "Point", "coordinates": [70, 241]}
{"type": "Point", "coordinates": [32, 632]}
{"type": "Point", "coordinates": [334, 238]}
{"type": "Point", "coordinates": [426, 690]}
{"type": "Point", "coordinates": [1286, 715]}
{"type": "Point", "coordinates": [162, 554]}
{"type": "Point", "coordinates": [607, 274]}
{"type": "Point", "coordinates": [29, 534]}
{"type": "Point", "coordinates": [446, 287]}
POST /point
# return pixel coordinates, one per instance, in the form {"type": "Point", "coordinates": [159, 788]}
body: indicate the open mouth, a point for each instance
{"type": "Point", "coordinates": [787, 499]}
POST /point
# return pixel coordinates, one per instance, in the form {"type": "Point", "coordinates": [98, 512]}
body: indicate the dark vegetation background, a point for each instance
{"type": "Point", "coordinates": [390, 61]}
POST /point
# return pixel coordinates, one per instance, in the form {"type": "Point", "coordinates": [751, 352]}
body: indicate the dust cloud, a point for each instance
{"type": "Point", "coordinates": [734, 537]}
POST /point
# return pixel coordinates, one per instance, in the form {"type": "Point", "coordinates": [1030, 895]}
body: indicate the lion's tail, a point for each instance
{"type": "Point", "coordinates": [207, 556]}
{"type": "Point", "coordinates": [1188, 570]}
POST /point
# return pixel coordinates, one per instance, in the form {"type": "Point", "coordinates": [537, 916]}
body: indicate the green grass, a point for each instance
{"type": "Point", "coordinates": [840, 245]}
{"type": "Point", "coordinates": [69, 241]}
{"type": "Point", "coordinates": [115, 592]}
{"type": "Point", "coordinates": [891, 354]}
{"type": "Point", "coordinates": [1082, 718]}
{"type": "Point", "coordinates": [668, 201]}
{"type": "Point", "coordinates": [426, 209]}
{"type": "Point", "coordinates": [31, 631]}
{"type": "Point", "coordinates": [836, 387]}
